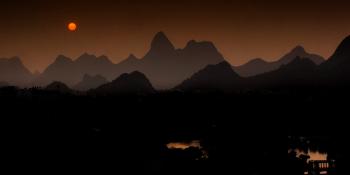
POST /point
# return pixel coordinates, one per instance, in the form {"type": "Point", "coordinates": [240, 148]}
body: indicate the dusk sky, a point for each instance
{"type": "Point", "coordinates": [36, 30]}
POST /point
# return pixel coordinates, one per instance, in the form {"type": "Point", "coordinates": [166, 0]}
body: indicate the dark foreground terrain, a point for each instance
{"type": "Point", "coordinates": [48, 132]}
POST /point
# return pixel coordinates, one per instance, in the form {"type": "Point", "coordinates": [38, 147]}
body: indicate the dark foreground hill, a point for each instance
{"type": "Point", "coordinates": [238, 132]}
{"type": "Point", "coordinates": [132, 83]}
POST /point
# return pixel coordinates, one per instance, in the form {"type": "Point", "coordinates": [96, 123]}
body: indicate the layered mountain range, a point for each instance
{"type": "Point", "coordinates": [163, 64]}
{"type": "Point", "coordinates": [199, 65]}
{"type": "Point", "coordinates": [304, 72]}
{"type": "Point", "coordinates": [258, 66]}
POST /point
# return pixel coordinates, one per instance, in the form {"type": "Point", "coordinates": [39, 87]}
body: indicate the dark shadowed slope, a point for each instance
{"type": "Point", "coordinates": [14, 72]}
{"type": "Point", "coordinates": [213, 77]}
{"type": "Point", "coordinates": [259, 66]}
{"type": "Point", "coordinates": [132, 83]}
{"type": "Point", "coordinates": [58, 87]}
{"type": "Point", "coordinates": [90, 82]}
{"type": "Point", "coordinates": [299, 72]}
{"type": "Point", "coordinates": [337, 67]}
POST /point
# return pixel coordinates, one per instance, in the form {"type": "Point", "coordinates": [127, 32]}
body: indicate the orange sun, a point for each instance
{"type": "Point", "coordinates": [72, 26]}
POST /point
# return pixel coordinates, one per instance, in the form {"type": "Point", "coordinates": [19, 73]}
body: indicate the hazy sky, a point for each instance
{"type": "Point", "coordinates": [36, 30]}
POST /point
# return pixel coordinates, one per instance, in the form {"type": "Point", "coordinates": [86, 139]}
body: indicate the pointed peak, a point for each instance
{"type": "Point", "coordinates": [298, 49]}
{"type": "Point", "coordinates": [160, 34]}
{"type": "Point", "coordinates": [62, 58]}
{"type": "Point", "coordinates": [137, 73]}
{"type": "Point", "coordinates": [200, 44]}
{"type": "Point", "coordinates": [105, 59]}
{"type": "Point", "coordinates": [132, 57]}
{"type": "Point", "coordinates": [191, 43]}
{"type": "Point", "coordinates": [86, 56]}
{"type": "Point", "coordinates": [134, 74]}
{"type": "Point", "coordinates": [301, 61]}
{"type": "Point", "coordinates": [222, 66]}
{"type": "Point", "coordinates": [128, 83]}
{"type": "Point", "coordinates": [258, 60]}
{"type": "Point", "coordinates": [160, 40]}
{"type": "Point", "coordinates": [216, 77]}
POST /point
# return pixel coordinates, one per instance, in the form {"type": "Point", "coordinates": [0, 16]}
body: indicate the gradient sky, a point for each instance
{"type": "Point", "coordinates": [242, 30]}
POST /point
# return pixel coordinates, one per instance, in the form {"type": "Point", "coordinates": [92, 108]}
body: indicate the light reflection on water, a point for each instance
{"type": "Point", "coordinates": [314, 155]}
{"type": "Point", "coordinates": [184, 145]}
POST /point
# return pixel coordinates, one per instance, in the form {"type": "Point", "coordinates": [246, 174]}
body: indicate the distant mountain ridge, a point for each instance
{"type": "Point", "coordinates": [297, 72]}
{"type": "Point", "coordinates": [71, 72]}
{"type": "Point", "coordinates": [13, 72]}
{"type": "Point", "coordinates": [166, 66]}
{"type": "Point", "coordinates": [198, 66]}
{"type": "Point", "coordinates": [259, 66]}
{"type": "Point", "coordinates": [163, 64]}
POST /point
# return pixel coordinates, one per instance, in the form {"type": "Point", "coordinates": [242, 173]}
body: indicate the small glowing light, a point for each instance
{"type": "Point", "coordinates": [72, 26]}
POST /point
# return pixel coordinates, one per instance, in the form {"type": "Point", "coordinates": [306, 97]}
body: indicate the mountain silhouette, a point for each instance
{"type": "Point", "coordinates": [62, 69]}
{"type": "Point", "coordinates": [14, 72]}
{"type": "Point", "coordinates": [71, 72]}
{"type": "Point", "coordinates": [128, 83]}
{"type": "Point", "coordinates": [259, 66]}
{"type": "Point", "coordinates": [166, 66]}
{"type": "Point", "coordinates": [90, 82]}
{"type": "Point", "coordinates": [342, 53]}
{"type": "Point", "coordinates": [94, 65]}
{"type": "Point", "coordinates": [161, 48]}
{"type": "Point", "coordinates": [213, 77]}
{"type": "Point", "coordinates": [57, 86]}
{"type": "Point", "coordinates": [337, 67]}
{"type": "Point", "coordinates": [130, 64]}
{"type": "Point", "coordinates": [130, 61]}
{"type": "Point", "coordinates": [300, 71]}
